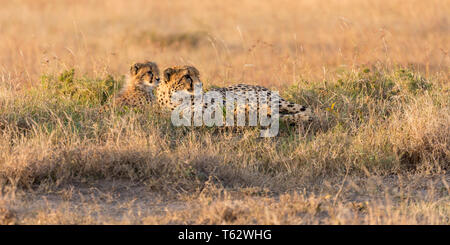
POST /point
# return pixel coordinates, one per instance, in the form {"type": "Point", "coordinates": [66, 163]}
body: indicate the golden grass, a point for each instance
{"type": "Point", "coordinates": [374, 72]}
{"type": "Point", "coordinates": [277, 43]}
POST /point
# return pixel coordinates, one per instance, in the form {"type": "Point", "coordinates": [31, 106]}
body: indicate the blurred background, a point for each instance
{"type": "Point", "coordinates": [272, 43]}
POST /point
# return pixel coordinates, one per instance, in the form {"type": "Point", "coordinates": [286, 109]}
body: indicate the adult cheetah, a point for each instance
{"type": "Point", "coordinates": [184, 78]}
{"type": "Point", "coordinates": [138, 89]}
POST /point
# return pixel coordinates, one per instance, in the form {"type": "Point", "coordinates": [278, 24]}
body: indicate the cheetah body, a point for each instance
{"type": "Point", "coordinates": [183, 79]}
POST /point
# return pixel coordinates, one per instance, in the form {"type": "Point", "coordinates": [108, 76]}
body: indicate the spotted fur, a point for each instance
{"type": "Point", "coordinates": [138, 89]}
{"type": "Point", "coordinates": [183, 78]}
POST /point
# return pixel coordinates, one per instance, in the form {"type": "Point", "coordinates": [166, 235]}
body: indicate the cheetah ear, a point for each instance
{"type": "Point", "coordinates": [134, 69]}
{"type": "Point", "coordinates": [167, 73]}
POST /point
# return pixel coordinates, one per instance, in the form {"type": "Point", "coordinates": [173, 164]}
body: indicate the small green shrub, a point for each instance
{"type": "Point", "coordinates": [79, 91]}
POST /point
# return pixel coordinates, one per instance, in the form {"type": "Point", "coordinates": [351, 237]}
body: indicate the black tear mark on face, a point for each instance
{"type": "Point", "coordinates": [189, 80]}
{"type": "Point", "coordinates": [187, 83]}
{"type": "Point", "coordinates": [148, 74]}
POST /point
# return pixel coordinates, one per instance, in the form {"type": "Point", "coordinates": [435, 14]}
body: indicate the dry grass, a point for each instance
{"type": "Point", "coordinates": [375, 72]}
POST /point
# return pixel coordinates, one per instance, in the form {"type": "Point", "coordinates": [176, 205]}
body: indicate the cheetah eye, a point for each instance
{"type": "Point", "coordinates": [150, 74]}
{"type": "Point", "coordinates": [188, 78]}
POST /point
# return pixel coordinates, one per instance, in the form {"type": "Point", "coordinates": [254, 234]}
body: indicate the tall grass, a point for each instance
{"type": "Point", "coordinates": [368, 121]}
{"type": "Point", "coordinates": [374, 72]}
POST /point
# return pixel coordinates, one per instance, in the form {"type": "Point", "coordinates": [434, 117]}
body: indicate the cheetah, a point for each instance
{"type": "Point", "coordinates": [183, 78]}
{"type": "Point", "coordinates": [138, 89]}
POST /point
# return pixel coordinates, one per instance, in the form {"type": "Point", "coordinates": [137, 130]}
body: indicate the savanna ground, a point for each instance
{"type": "Point", "coordinates": [375, 73]}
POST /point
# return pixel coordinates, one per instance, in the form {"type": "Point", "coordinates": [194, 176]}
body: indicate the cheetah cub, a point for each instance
{"type": "Point", "coordinates": [183, 78]}
{"type": "Point", "coordinates": [138, 89]}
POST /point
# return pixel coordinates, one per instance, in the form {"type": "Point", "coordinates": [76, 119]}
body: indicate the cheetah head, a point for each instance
{"type": "Point", "coordinates": [145, 75]}
{"type": "Point", "coordinates": [181, 78]}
